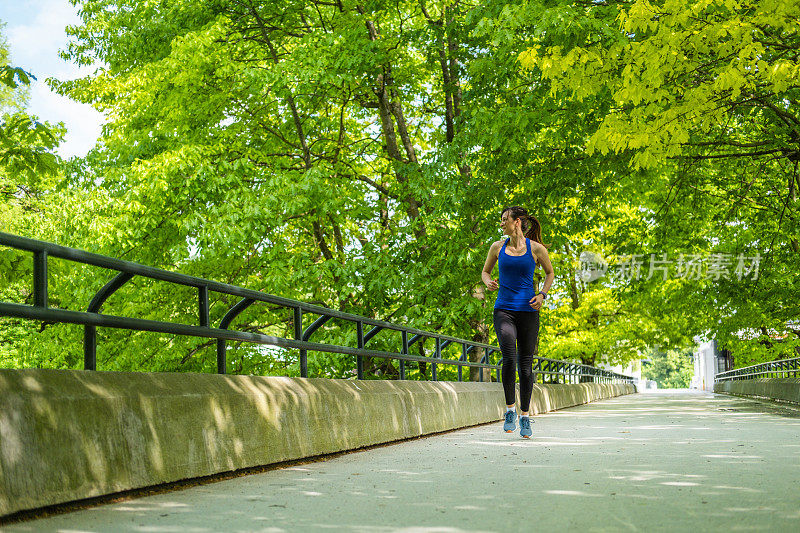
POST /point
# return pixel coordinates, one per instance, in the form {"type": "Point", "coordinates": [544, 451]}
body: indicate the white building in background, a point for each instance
{"type": "Point", "coordinates": [705, 366]}
{"type": "Point", "coordinates": [634, 369]}
{"type": "Point", "coordinates": [708, 362]}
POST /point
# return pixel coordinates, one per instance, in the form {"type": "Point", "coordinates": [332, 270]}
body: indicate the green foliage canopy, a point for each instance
{"type": "Point", "coordinates": [702, 98]}
{"type": "Point", "coordinates": [357, 156]}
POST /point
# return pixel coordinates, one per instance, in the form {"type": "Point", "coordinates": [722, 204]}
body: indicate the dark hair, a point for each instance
{"type": "Point", "coordinates": [530, 226]}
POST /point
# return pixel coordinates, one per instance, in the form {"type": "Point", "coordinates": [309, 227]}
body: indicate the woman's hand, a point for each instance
{"type": "Point", "coordinates": [536, 301]}
{"type": "Point", "coordinates": [492, 285]}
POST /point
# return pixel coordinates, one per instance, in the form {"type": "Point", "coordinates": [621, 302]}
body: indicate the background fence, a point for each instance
{"type": "Point", "coordinates": [785, 368]}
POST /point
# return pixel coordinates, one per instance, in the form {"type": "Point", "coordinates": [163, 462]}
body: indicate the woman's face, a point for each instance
{"type": "Point", "coordinates": [508, 224]}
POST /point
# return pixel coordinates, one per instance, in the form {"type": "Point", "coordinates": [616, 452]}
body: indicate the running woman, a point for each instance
{"type": "Point", "coordinates": [516, 310]}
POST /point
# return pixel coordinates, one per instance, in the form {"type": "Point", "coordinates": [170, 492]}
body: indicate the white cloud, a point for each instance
{"type": "Point", "coordinates": [82, 121]}
{"type": "Point", "coordinates": [38, 41]}
{"type": "Point", "coordinates": [35, 38]}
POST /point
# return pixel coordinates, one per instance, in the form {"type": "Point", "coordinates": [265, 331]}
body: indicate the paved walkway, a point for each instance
{"type": "Point", "coordinates": [662, 461]}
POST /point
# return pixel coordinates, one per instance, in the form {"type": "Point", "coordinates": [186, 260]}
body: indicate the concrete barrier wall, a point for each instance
{"type": "Point", "coordinates": [787, 389]}
{"type": "Point", "coordinates": [70, 435]}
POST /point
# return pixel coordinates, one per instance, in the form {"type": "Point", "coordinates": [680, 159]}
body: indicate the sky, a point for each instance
{"type": "Point", "coordinates": [35, 33]}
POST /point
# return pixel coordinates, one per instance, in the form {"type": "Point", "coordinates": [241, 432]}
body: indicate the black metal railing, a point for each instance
{"type": "Point", "coordinates": [785, 368]}
{"type": "Point", "coordinates": [545, 370]}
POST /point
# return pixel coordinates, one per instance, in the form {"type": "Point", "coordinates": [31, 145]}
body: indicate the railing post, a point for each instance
{"type": "Point", "coordinates": [222, 357]}
{"type": "Point", "coordinates": [202, 296]}
{"type": "Point", "coordinates": [298, 335]}
{"type": "Point", "coordinates": [405, 352]}
{"type": "Point", "coordinates": [359, 359]}
{"type": "Point", "coordinates": [463, 358]}
{"type": "Point", "coordinates": [437, 355]}
{"type": "Point", "coordinates": [89, 348]}
{"type": "Point", "coordinates": [40, 279]}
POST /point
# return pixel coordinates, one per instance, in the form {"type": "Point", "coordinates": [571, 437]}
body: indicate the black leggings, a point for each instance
{"type": "Point", "coordinates": [517, 329]}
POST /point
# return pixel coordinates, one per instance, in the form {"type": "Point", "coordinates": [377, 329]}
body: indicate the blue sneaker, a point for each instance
{"type": "Point", "coordinates": [509, 424]}
{"type": "Point", "coordinates": [525, 427]}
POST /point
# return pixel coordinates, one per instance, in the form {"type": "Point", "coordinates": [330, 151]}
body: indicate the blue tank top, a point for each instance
{"type": "Point", "coordinates": [516, 280]}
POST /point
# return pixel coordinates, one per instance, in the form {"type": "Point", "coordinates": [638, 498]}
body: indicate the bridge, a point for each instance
{"type": "Point", "coordinates": [656, 461]}
{"type": "Point", "coordinates": [208, 452]}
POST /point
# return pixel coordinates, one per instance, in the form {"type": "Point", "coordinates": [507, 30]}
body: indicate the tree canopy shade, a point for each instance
{"type": "Point", "coordinates": [358, 154]}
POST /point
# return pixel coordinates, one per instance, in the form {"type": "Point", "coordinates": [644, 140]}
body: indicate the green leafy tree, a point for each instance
{"type": "Point", "coordinates": [292, 148]}
{"type": "Point", "coordinates": [356, 156]}
{"type": "Point", "coordinates": [702, 99]}
{"type": "Point", "coordinates": [672, 369]}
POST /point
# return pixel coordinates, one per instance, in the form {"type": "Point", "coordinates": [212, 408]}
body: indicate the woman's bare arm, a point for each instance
{"type": "Point", "coordinates": [543, 258]}
{"type": "Point", "coordinates": [488, 266]}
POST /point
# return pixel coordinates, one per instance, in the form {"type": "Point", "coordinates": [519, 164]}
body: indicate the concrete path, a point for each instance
{"type": "Point", "coordinates": [662, 461]}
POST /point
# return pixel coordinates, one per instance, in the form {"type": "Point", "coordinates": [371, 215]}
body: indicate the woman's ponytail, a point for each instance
{"type": "Point", "coordinates": [534, 231]}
